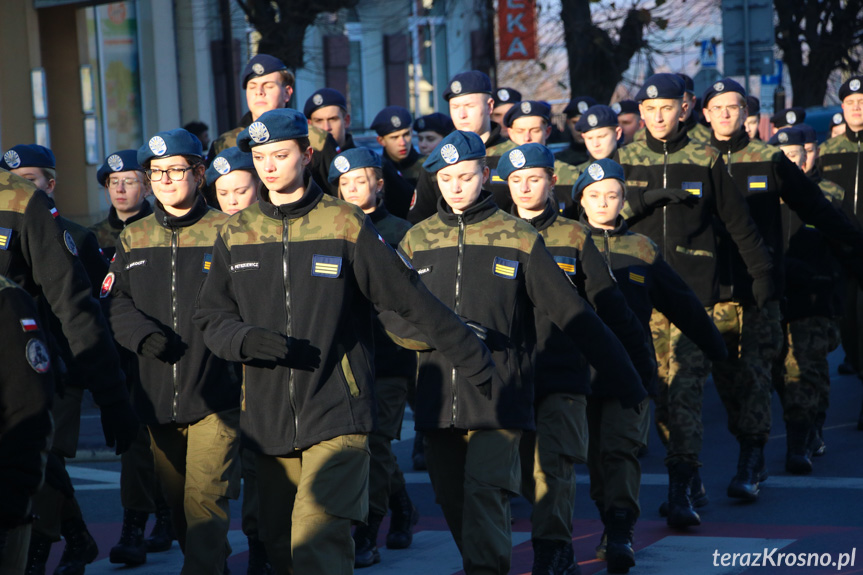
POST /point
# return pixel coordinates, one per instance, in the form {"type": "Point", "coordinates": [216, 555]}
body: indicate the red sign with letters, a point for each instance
{"type": "Point", "coordinates": [517, 29]}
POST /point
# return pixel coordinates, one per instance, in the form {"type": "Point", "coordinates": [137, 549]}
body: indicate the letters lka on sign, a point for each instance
{"type": "Point", "coordinates": [517, 29]}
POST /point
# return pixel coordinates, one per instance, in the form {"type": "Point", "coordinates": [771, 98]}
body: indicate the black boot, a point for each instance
{"type": "Point", "coordinates": [404, 516]}
{"type": "Point", "coordinates": [750, 471]}
{"type": "Point", "coordinates": [419, 453]}
{"type": "Point", "coordinates": [697, 494]}
{"type": "Point", "coordinates": [680, 511]}
{"type": "Point", "coordinates": [131, 549]}
{"type": "Point", "coordinates": [259, 563]}
{"type": "Point", "coordinates": [797, 456]}
{"type": "Point", "coordinates": [80, 550]}
{"type": "Point", "coordinates": [162, 536]}
{"type": "Point", "coordinates": [619, 525]}
{"type": "Point", "coordinates": [554, 558]}
{"type": "Point", "coordinates": [366, 543]}
{"type": "Point", "coordinates": [818, 447]}
{"type": "Point", "coordinates": [37, 556]}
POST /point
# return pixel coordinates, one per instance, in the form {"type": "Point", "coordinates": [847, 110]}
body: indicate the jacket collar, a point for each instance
{"type": "Point", "coordinates": [115, 222]}
{"type": "Point", "coordinates": [542, 221]}
{"type": "Point", "coordinates": [379, 213]}
{"type": "Point", "coordinates": [852, 135]}
{"type": "Point", "coordinates": [349, 144]}
{"type": "Point", "coordinates": [189, 218]}
{"type": "Point", "coordinates": [494, 137]}
{"type": "Point", "coordinates": [293, 210]}
{"type": "Point", "coordinates": [620, 227]}
{"type": "Point", "coordinates": [738, 141]}
{"type": "Point", "coordinates": [483, 208]}
{"type": "Point", "coordinates": [409, 160]}
{"type": "Point", "coordinates": [676, 141]}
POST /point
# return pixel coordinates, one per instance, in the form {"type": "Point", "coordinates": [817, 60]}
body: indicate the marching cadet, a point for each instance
{"type": "Point", "coordinates": [188, 398]}
{"type": "Point", "coordinates": [359, 177]}
{"type": "Point", "coordinates": [470, 106]}
{"type": "Point", "coordinates": [617, 433]}
{"type": "Point", "coordinates": [628, 118]}
{"type": "Point", "coordinates": [753, 117]}
{"type": "Point", "coordinates": [26, 389]}
{"type": "Point", "coordinates": [562, 379]}
{"type": "Point", "coordinates": [504, 99]}
{"type": "Point", "coordinates": [530, 121]}
{"type": "Point", "coordinates": [232, 176]}
{"type": "Point", "coordinates": [308, 400]}
{"type": "Point", "coordinates": [393, 126]}
{"type": "Point", "coordinates": [811, 273]}
{"type": "Point", "coordinates": [327, 110]}
{"type": "Point", "coordinates": [576, 153]}
{"type": "Point", "coordinates": [675, 189]}
{"type": "Point", "coordinates": [127, 188]}
{"type": "Point", "coordinates": [431, 129]}
{"type": "Point", "coordinates": [695, 129]}
{"type": "Point", "coordinates": [753, 330]}
{"type": "Point", "coordinates": [493, 270]}
{"type": "Point", "coordinates": [601, 132]}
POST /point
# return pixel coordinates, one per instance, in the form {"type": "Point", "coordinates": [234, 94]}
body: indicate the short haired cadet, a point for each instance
{"type": "Point", "coordinates": [753, 106]}
{"type": "Point", "coordinates": [177, 142]}
{"type": "Point", "coordinates": [605, 169]}
{"type": "Point", "coordinates": [789, 117]}
{"type": "Point", "coordinates": [853, 85]}
{"type": "Point", "coordinates": [527, 108]}
{"type": "Point", "coordinates": [526, 156]}
{"type": "Point", "coordinates": [122, 161]}
{"type": "Point", "coordinates": [323, 98]}
{"type": "Point", "coordinates": [578, 106]}
{"type": "Point", "coordinates": [506, 96]}
{"type": "Point", "coordinates": [228, 161]}
{"type": "Point", "coordinates": [472, 82]}
{"type": "Point", "coordinates": [457, 147]}
{"type": "Point", "coordinates": [353, 159]}
{"type": "Point", "coordinates": [662, 86]}
{"type": "Point", "coordinates": [274, 126]}
{"type": "Point", "coordinates": [391, 119]}
{"type": "Point", "coordinates": [28, 156]}
{"type": "Point", "coordinates": [788, 137]}
{"type": "Point", "coordinates": [595, 117]}
{"type": "Point", "coordinates": [436, 122]}
{"type": "Point", "coordinates": [723, 86]}
{"type": "Point", "coordinates": [261, 65]}
{"type": "Point", "coordinates": [626, 107]}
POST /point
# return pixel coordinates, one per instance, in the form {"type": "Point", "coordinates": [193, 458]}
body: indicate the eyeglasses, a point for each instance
{"type": "Point", "coordinates": [731, 109]}
{"type": "Point", "coordinates": [127, 182]}
{"type": "Point", "coordinates": [175, 174]}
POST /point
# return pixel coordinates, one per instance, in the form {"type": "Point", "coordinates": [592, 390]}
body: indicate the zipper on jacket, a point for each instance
{"type": "Point", "coordinates": [286, 278]}
{"type": "Point", "coordinates": [457, 307]}
{"type": "Point", "coordinates": [857, 178]}
{"type": "Point", "coordinates": [665, 207]}
{"type": "Point", "coordinates": [728, 162]}
{"type": "Point", "coordinates": [608, 255]}
{"type": "Point", "coordinates": [175, 403]}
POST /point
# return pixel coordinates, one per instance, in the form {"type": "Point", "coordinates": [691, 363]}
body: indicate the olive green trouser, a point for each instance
{"type": "Point", "coordinates": [310, 498]}
{"type": "Point", "coordinates": [547, 459]}
{"type": "Point", "coordinates": [198, 468]}
{"type": "Point", "coordinates": [616, 436]}
{"type": "Point", "coordinates": [473, 474]}
{"type": "Point", "coordinates": [385, 477]}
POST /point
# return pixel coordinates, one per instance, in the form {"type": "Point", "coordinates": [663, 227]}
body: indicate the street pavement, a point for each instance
{"type": "Point", "coordinates": [816, 518]}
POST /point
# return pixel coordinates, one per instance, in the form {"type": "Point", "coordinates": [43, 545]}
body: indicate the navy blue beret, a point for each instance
{"type": "Point", "coordinates": [723, 86]}
{"type": "Point", "coordinates": [793, 136]}
{"type": "Point", "coordinates": [789, 117]}
{"type": "Point", "coordinates": [688, 84]}
{"type": "Point", "coordinates": [436, 122]}
{"type": "Point", "coordinates": [626, 107]}
{"type": "Point", "coordinates": [261, 65]}
{"type": "Point", "coordinates": [353, 159]}
{"type": "Point", "coordinates": [274, 126]}
{"type": "Point", "coordinates": [595, 117]}
{"type": "Point", "coordinates": [753, 106]}
{"type": "Point", "coordinates": [809, 135]}
{"type": "Point", "coordinates": [853, 85]}
{"type": "Point", "coordinates": [531, 155]}
{"type": "Point", "coordinates": [596, 172]}
{"type": "Point", "coordinates": [121, 161]}
{"type": "Point", "coordinates": [472, 82]}
{"type": "Point", "coordinates": [664, 86]}
{"type": "Point", "coordinates": [578, 106]}
{"type": "Point", "coordinates": [228, 161]}
{"type": "Point", "coordinates": [323, 98]}
{"type": "Point", "coordinates": [457, 147]}
{"type": "Point", "coordinates": [28, 156]}
{"type": "Point", "coordinates": [527, 108]}
{"type": "Point", "coordinates": [838, 119]}
{"type": "Point", "coordinates": [177, 142]}
{"type": "Point", "coordinates": [506, 96]}
{"type": "Point", "coordinates": [391, 119]}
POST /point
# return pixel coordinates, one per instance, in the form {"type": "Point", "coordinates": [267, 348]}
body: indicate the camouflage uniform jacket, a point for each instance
{"type": "Point", "coordinates": [560, 366]}
{"type": "Point", "coordinates": [26, 389]}
{"type": "Point", "coordinates": [40, 256]}
{"type": "Point", "coordinates": [685, 232]}
{"type": "Point", "coordinates": [840, 161]}
{"type": "Point", "coordinates": [767, 177]}
{"type": "Point", "coordinates": [575, 154]}
{"type": "Point", "coordinates": [161, 263]}
{"type": "Point", "coordinates": [314, 269]}
{"type": "Point", "coordinates": [648, 282]}
{"type": "Point", "coordinates": [492, 268]}
{"type": "Point", "coordinates": [108, 230]}
{"type": "Point", "coordinates": [427, 192]}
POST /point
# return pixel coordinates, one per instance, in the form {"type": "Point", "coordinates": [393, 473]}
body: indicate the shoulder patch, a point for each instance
{"type": "Point", "coordinates": [505, 268]}
{"type": "Point", "coordinates": [636, 275]}
{"type": "Point", "coordinates": [757, 183]}
{"type": "Point", "coordinates": [5, 238]}
{"type": "Point", "coordinates": [70, 243]}
{"type": "Point", "coordinates": [208, 262]}
{"type": "Point", "coordinates": [566, 264]}
{"type": "Point", "coordinates": [694, 188]}
{"type": "Point", "coordinates": [107, 284]}
{"type": "Point", "coordinates": [326, 266]}
{"type": "Point", "coordinates": [37, 356]}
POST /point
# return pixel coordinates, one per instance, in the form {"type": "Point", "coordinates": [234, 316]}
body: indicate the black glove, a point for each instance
{"type": "Point", "coordinates": [485, 389]}
{"type": "Point", "coordinates": [120, 425]}
{"type": "Point", "coordinates": [662, 196]}
{"type": "Point", "coordinates": [763, 290]}
{"type": "Point", "coordinates": [165, 348]}
{"type": "Point", "coordinates": [267, 345]}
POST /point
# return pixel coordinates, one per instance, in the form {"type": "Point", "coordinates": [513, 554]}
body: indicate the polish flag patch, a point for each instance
{"type": "Point", "coordinates": [54, 212]}
{"type": "Point", "coordinates": [29, 324]}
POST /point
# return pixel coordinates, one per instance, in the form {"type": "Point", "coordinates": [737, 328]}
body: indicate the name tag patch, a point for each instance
{"type": "Point", "coordinates": [424, 270]}
{"type": "Point", "coordinates": [566, 264]}
{"type": "Point", "coordinates": [135, 264]}
{"type": "Point", "coordinates": [693, 188]}
{"type": "Point", "coordinates": [832, 167]}
{"type": "Point", "coordinates": [245, 266]}
{"type": "Point", "coordinates": [326, 266]}
{"type": "Point", "coordinates": [505, 268]}
{"type": "Point", "coordinates": [636, 275]}
{"type": "Point", "coordinates": [5, 238]}
{"type": "Point", "coordinates": [757, 182]}
{"type": "Point", "coordinates": [208, 261]}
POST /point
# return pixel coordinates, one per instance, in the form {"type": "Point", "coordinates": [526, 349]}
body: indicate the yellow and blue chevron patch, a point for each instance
{"type": "Point", "coordinates": [636, 275]}
{"type": "Point", "coordinates": [5, 238]}
{"type": "Point", "coordinates": [566, 264]}
{"type": "Point", "coordinates": [505, 268]}
{"type": "Point", "coordinates": [694, 188]}
{"type": "Point", "coordinates": [208, 261]}
{"type": "Point", "coordinates": [326, 266]}
{"type": "Point", "coordinates": [757, 182]}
